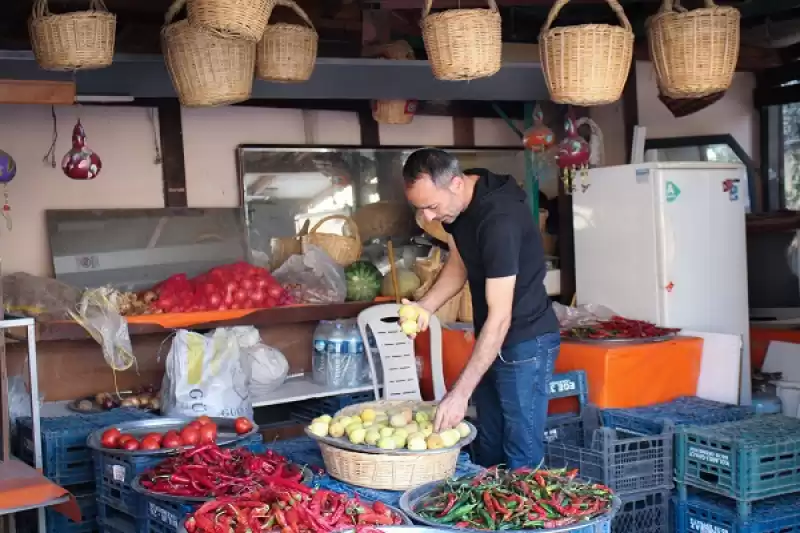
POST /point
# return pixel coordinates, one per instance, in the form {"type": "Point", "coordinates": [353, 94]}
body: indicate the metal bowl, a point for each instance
{"type": "Point", "coordinates": [136, 485]}
{"type": "Point", "coordinates": [621, 341]}
{"type": "Point", "coordinates": [226, 434]}
{"type": "Point", "coordinates": [409, 500]}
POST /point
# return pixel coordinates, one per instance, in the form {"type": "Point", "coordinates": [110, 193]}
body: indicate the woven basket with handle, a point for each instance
{"type": "Point", "coordinates": [72, 41]}
{"type": "Point", "coordinates": [383, 219]}
{"type": "Point", "coordinates": [240, 19]}
{"type": "Point", "coordinates": [345, 250]}
{"type": "Point", "coordinates": [694, 52]}
{"type": "Point", "coordinates": [462, 44]}
{"type": "Point", "coordinates": [287, 52]}
{"type": "Point", "coordinates": [587, 64]}
{"type": "Point", "coordinates": [206, 69]}
{"type": "Point", "coordinates": [394, 111]}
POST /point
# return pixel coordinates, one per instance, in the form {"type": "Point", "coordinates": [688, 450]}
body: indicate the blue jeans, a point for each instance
{"type": "Point", "coordinates": [511, 401]}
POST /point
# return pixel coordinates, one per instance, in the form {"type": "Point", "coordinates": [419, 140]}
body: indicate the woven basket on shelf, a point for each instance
{"type": "Point", "coordinates": [462, 44]}
{"type": "Point", "coordinates": [72, 41]}
{"type": "Point", "coordinates": [384, 219]}
{"type": "Point", "coordinates": [240, 19]}
{"type": "Point", "coordinates": [586, 64]}
{"type": "Point", "coordinates": [394, 111]}
{"type": "Point", "coordinates": [694, 52]}
{"type": "Point", "coordinates": [345, 250]}
{"type": "Point", "coordinates": [206, 69]}
{"type": "Point", "coordinates": [387, 471]}
{"type": "Point", "coordinates": [287, 52]}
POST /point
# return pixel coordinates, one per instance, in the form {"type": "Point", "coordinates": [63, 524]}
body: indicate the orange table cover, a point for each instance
{"type": "Point", "coordinates": [760, 337]}
{"type": "Point", "coordinates": [618, 376]}
{"type": "Point", "coordinates": [23, 486]}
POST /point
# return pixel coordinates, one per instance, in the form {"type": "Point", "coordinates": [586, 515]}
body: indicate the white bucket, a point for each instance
{"type": "Point", "coordinates": [789, 393]}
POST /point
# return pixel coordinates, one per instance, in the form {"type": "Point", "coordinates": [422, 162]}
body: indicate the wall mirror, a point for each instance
{"type": "Point", "coordinates": [287, 190]}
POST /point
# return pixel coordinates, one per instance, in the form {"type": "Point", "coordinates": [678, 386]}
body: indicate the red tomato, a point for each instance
{"type": "Point", "coordinates": [248, 284]}
{"type": "Point", "coordinates": [208, 434]}
{"type": "Point", "coordinates": [209, 288]}
{"type": "Point", "coordinates": [158, 437]}
{"type": "Point", "coordinates": [262, 283]}
{"type": "Point", "coordinates": [110, 438]}
{"type": "Point", "coordinates": [274, 291]}
{"type": "Point", "coordinates": [194, 424]}
{"type": "Point", "coordinates": [214, 300]}
{"type": "Point", "coordinates": [203, 420]}
{"type": "Point", "coordinates": [228, 300]}
{"type": "Point", "coordinates": [270, 302]}
{"type": "Point", "coordinates": [131, 444]}
{"type": "Point", "coordinates": [236, 305]}
{"type": "Point", "coordinates": [190, 436]}
{"type": "Point", "coordinates": [171, 441]}
{"type": "Point", "coordinates": [123, 438]}
{"type": "Point", "coordinates": [257, 296]}
{"type": "Point", "coordinates": [149, 444]}
{"type": "Point", "coordinates": [242, 425]}
{"type": "Point", "coordinates": [240, 296]}
{"type": "Point", "coordinates": [231, 287]}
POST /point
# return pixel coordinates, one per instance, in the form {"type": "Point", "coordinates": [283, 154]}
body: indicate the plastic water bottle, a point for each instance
{"type": "Point", "coordinates": [357, 353]}
{"type": "Point", "coordinates": [319, 357]}
{"type": "Point", "coordinates": [338, 364]}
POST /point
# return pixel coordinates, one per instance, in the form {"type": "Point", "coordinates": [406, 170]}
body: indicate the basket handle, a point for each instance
{"type": "Point", "coordinates": [173, 10]}
{"type": "Point", "coordinates": [667, 6]}
{"type": "Point", "coordinates": [429, 3]}
{"type": "Point", "coordinates": [554, 11]}
{"type": "Point", "coordinates": [41, 9]}
{"type": "Point", "coordinates": [352, 226]}
{"type": "Point", "coordinates": [291, 4]}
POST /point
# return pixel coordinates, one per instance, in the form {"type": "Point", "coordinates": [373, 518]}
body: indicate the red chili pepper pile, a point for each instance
{"type": "Point", "coordinates": [208, 471]}
{"type": "Point", "coordinates": [617, 328]}
{"type": "Point", "coordinates": [288, 511]}
{"type": "Point", "coordinates": [524, 499]}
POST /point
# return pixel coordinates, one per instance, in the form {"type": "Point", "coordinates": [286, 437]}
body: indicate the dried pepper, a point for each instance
{"type": "Point", "coordinates": [617, 328]}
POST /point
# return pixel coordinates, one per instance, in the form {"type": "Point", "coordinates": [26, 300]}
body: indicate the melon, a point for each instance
{"type": "Point", "coordinates": [363, 281]}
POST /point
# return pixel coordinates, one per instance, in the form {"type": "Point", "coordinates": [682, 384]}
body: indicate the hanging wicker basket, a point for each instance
{"type": "Point", "coordinates": [73, 41]}
{"type": "Point", "coordinates": [587, 64]}
{"type": "Point", "coordinates": [694, 52]}
{"type": "Point", "coordinates": [384, 219]}
{"type": "Point", "coordinates": [394, 111]}
{"type": "Point", "coordinates": [239, 19]}
{"type": "Point", "coordinates": [287, 52]}
{"type": "Point", "coordinates": [206, 69]}
{"type": "Point", "coordinates": [462, 44]}
{"type": "Point", "coordinates": [345, 250]}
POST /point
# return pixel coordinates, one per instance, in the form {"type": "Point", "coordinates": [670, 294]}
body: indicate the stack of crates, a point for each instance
{"type": "Point", "coordinates": [650, 513]}
{"type": "Point", "coordinates": [567, 427]}
{"type": "Point", "coordinates": [741, 477]}
{"type": "Point", "coordinates": [637, 467]}
{"type": "Point", "coordinates": [67, 461]}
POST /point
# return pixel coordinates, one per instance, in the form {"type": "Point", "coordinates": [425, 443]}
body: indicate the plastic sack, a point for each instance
{"type": "Point", "coordinates": [582, 315]}
{"type": "Point", "coordinates": [268, 366]}
{"type": "Point", "coordinates": [39, 297]}
{"type": "Point", "coordinates": [313, 277]}
{"type": "Point", "coordinates": [98, 313]}
{"type": "Point", "coordinates": [206, 375]}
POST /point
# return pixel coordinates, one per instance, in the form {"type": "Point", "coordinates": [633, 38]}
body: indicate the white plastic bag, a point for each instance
{"type": "Point", "coordinates": [268, 366]}
{"type": "Point", "coordinates": [206, 375]}
{"type": "Point", "coordinates": [313, 277]}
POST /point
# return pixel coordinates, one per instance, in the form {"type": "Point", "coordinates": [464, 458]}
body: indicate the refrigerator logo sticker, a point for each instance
{"type": "Point", "coordinates": [672, 192]}
{"type": "Point", "coordinates": [732, 188]}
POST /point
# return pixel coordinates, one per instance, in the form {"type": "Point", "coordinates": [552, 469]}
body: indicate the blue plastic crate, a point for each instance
{"type": "Point", "coordinates": [626, 463]}
{"type": "Point", "coordinates": [165, 515]}
{"type": "Point", "coordinates": [570, 384]}
{"type": "Point", "coordinates": [85, 497]}
{"type": "Point", "coordinates": [644, 512]}
{"type": "Point", "coordinates": [566, 428]}
{"type": "Point", "coordinates": [110, 518]}
{"type": "Point", "coordinates": [684, 411]}
{"type": "Point", "coordinates": [748, 460]}
{"type": "Point", "coordinates": [704, 512]}
{"type": "Point", "coordinates": [65, 457]}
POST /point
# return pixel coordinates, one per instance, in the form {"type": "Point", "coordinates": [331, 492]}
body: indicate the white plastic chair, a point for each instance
{"type": "Point", "coordinates": [396, 350]}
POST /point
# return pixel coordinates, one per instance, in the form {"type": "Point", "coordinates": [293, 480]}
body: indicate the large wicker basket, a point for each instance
{"type": "Point", "coordinates": [287, 52]}
{"type": "Point", "coordinates": [384, 219]}
{"type": "Point", "coordinates": [345, 250]}
{"type": "Point", "coordinates": [72, 41]}
{"type": "Point", "coordinates": [587, 64]}
{"type": "Point", "coordinates": [240, 19]}
{"type": "Point", "coordinates": [206, 69]}
{"type": "Point", "coordinates": [694, 52]}
{"type": "Point", "coordinates": [387, 471]}
{"type": "Point", "coordinates": [463, 44]}
{"type": "Point", "coordinates": [394, 111]}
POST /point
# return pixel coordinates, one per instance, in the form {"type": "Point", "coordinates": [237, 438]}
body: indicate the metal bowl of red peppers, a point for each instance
{"type": "Point", "coordinates": [522, 500]}
{"type": "Point", "coordinates": [618, 330]}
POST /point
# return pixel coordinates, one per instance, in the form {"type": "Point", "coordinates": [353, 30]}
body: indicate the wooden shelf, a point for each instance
{"type": "Point", "coordinates": [303, 388]}
{"type": "Point", "coordinates": [67, 330]}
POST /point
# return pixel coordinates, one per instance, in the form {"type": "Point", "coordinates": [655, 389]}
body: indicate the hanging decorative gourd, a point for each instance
{"type": "Point", "coordinates": [8, 169]}
{"type": "Point", "coordinates": [572, 157]}
{"type": "Point", "coordinates": [538, 138]}
{"type": "Point", "coordinates": [80, 163]}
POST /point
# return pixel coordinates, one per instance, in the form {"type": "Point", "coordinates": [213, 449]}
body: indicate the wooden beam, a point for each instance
{"type": "Point", "coordinates": [37, 92]}
{"type": "Point", "coordinates": [464, 132]}
{"type": "Point", "coordinates": [775, 77]}
{"type": "Point", "coordinates": [173, 168]}
{"type": "Point", "coordinates": [767, 96]}
{"type": "Point", "coordinates": [630, 110]}
{"type": "Point", "coordinates": [370, 130]}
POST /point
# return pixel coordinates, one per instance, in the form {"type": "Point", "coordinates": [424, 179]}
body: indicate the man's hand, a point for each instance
{"type": "Point", "coordinates": [423, 315]}
{"type": "Point", "coordinates": [451, 411]}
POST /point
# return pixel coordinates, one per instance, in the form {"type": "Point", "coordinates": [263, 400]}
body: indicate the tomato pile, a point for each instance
{"type": "Point", "coordinates": [210, 472]}
{"type": "Point", "coordinates": [277, 509]}
{"type": "Point", "coordinates": [203, 430]}
{"type": "Point", "coordinates": [236, 286]}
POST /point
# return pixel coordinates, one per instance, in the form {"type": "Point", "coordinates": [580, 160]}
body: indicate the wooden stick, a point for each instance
{"type": "Point", "coordinates": [393, 271]}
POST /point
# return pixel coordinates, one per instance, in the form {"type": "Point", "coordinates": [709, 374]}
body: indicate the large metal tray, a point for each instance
{"type": "Point", "coordinates": [618, 342]}
{"type": "Point", "coordinates": [226, 434]}
{"type": "Point", "coordinates": [344, 444]}
{"type": "Point", "coordinates": [410, 498]}
{"type": "Point", "coordinates": [308, 477]}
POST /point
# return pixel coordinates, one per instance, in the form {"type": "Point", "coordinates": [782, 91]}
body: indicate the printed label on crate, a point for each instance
{"type": "Point", "coordinates": [564, 385]}
{"type": "Point", "coordinates": [162, 514]}
{"type": "Point", "coordinates": [116, 472]}
{"type": "Point", "coordinates": [705, 527]}
{"type": "Point", "coordinates": [551, 435]}
{"type": "Point", "coordinates": [28, 444]}
{"type": "Point", "coordinates": [710, 457]}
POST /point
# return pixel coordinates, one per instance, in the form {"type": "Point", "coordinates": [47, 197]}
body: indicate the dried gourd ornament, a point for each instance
{"type": "Point", "coordinates": [8, 169]}
{"type": "Point", "coordinates": [572, 158]}
{"type": "Point", "coordinates": [538, 138]}
{"type": "Point", "coordinates": [80, 163]}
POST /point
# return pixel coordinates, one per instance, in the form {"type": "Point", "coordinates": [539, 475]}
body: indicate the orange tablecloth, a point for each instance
{"type": "Point", "coordinates": [760, 337]}
{"type": "Point", "coordinates": [621, 376]}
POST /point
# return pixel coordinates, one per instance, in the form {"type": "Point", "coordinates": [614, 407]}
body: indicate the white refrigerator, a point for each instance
{"type": "Point", "coordinates": [665, 242]}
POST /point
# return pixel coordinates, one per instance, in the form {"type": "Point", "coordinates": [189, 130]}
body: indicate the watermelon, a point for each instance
{"type": "Point", "coordinates": [363, 281]}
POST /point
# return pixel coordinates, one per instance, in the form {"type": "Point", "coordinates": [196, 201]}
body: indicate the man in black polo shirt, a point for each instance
{"type": "Point", "coordinates": [495, 246]}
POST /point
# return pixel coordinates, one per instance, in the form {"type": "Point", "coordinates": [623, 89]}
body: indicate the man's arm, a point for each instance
{"type": "Point", "coordinates": [450, 280]}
